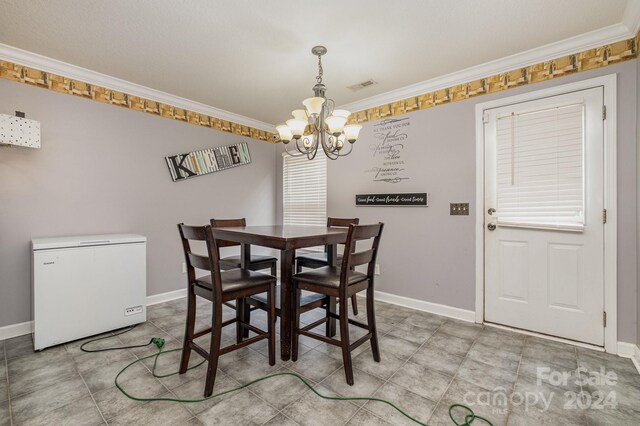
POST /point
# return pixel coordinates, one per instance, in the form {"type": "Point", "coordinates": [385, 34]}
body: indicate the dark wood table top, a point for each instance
{"type": "Point", "coordinates": [283, 237]}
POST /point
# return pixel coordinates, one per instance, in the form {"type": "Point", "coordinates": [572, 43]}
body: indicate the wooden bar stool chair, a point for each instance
{"type": "Point", "coordinates": [318, 260]}
{"type": "Point", "coordinates": [219, 288]}
{"type": "Point", "coordinates": [342, 283]}
{"type": "Point", "coordinates": [256, 263]}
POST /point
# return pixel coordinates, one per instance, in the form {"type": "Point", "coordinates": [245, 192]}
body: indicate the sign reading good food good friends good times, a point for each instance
{"type": "Point", "coordinates": [205, 161]}
{"type": "Point", "coordinates": [409, 199]}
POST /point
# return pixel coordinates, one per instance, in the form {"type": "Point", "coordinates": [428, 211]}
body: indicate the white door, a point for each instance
{"type": "Point", "coordinates": [544, 199]}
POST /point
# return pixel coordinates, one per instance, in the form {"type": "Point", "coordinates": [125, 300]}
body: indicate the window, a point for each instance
{"type": "Point", "coordinates": [540, 168]}
{"type": "Point", "coordinates": [305, 190]}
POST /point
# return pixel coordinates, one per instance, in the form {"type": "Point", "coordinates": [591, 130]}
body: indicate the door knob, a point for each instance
{"type": "Point", "coordinates": [491, 227]}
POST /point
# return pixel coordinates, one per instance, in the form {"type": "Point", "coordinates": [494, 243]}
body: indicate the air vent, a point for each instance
{"type": "Point", "coordinates": [363, 84]}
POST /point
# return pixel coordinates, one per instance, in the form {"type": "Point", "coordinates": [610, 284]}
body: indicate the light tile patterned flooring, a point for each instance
{"type": "Point", "coordinates": [428, 362]}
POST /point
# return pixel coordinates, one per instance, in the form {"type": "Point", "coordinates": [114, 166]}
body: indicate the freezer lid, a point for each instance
{"type": "Point", "coordinates": [85, 241]}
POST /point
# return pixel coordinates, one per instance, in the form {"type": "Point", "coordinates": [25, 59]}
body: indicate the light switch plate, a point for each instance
{"type": "Point", "coordinates": [459, 209]}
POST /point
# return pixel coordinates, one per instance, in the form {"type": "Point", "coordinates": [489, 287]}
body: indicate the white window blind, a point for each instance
{"type": "Point", "coordinates": [305, 190]}
{"type": "Point", "coordinates": [540, 168]}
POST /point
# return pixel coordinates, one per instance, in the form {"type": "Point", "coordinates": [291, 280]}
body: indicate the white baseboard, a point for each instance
{"type": "Point", "coordinates": [15, 330]}
{"type": "Point", "coordinates": [629, 350]}
{"type": "Point", "coordinates": [165, 297]}
{"type": "Point", "coordinates": [421, 305]}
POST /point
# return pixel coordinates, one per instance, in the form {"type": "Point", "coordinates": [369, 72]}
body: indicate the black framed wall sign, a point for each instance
{"type": "Point", "coordinates": [412, 199]}
{"type": "Point", "coordinates": [205, 161]}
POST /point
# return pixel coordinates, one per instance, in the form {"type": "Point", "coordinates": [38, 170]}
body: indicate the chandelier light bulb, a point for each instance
{"type": "Point", "coordinates": [300, 114]}
{"type": "Point", "coordinates": [297, 127]}
{"type": "Point", "coordinates": [341, 113]}
{"type": "Point", "coordinates": [285, 133]}
{"type": "Point", "coordinates": [314, 105]}
{"type": "Point", "coordinates": [335, 124]}
{"type": "Point", "coordinates": [351, 132]}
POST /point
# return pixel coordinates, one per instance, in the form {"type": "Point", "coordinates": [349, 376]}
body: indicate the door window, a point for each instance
{"type": "Point", "coordinates": [540, 168]}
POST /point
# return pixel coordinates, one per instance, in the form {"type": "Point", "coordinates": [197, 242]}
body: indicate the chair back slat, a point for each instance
{"type": "Point", "coordinates": [193, 233]}
{"type": "Point", "coordinates": [227, 223]}
{"type": "Point", "coordinates": [199, 261]}
{"type": "Point", "coordinates": [361, 258]}
{"type": "Point", "coordinates": [340, 222]}
{"type": "Point", "coordinates": [365, 232]}
{"type": "Point", "coordinates": [208, 262]}
{"type": "Point", "coordinates": [353, 258]}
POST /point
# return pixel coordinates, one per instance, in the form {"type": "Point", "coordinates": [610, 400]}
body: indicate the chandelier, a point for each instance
{"type": "Point", "coordinates": [319, 124]}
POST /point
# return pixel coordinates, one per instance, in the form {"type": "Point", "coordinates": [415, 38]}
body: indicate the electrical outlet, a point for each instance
{"type": "Point", "coordinates": [184, 267]}
{"type": "Point", "coordinates": [459, 209]}
{"type": "Point", "coordinates": [377, 270]}
{"type": "Point", "coordinates": [133, 310]}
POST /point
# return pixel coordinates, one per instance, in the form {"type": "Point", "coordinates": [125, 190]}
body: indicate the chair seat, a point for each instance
{"type": "Point", "coordinates": [306, 298]}
{"type": "Point", "coordinates": [316, 257]}
{"type": "Point", "coordinates": [255, 258]}
{"type": "Point", "coordinates": [329, 276]}
{"type": "Point", "coordinates": [237, 279]}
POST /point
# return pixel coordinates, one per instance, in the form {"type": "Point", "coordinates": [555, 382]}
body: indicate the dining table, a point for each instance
{"type": "Point", "coordinates": [287, 239]}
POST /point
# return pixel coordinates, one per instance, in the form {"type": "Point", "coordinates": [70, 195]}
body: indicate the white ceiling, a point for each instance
{"type": "Point", "coordinates": [253, 57]}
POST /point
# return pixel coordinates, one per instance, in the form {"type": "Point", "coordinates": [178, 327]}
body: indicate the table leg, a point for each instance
{"type": "Point", "coordinates": [331, 324]}
{"type": "Point", "coordinates": [245, 255]}
{"type": "Point", "coordinates": [332, 258]}
{"type": "Point", "coordinates": [286, 301]}
{"type": "Point", "coordinates": [244, 310]}
{"type": "Point", "coordinates": [332, 255]}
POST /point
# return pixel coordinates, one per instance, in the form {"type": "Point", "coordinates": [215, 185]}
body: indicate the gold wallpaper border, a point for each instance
{"type": "Point", "coordinates": [584, 61]}
{"type": "Point", "coordinates": [57, 83]}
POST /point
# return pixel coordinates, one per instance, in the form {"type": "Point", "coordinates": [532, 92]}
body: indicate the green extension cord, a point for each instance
{"type": "Point", "coordinates": [159, 342]}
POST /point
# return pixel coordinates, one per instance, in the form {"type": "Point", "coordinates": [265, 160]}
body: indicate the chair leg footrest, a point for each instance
{"type": "Point", "coordinates": [244, 343]}
{"type": "Point", "coordinates": [360, 341]}
{"type": "Point", "coordinates": [314, 324]}
{"type": "Point", "coordinates": [320, 337]}
{"type": "Point", "coordinates": [202, 332]}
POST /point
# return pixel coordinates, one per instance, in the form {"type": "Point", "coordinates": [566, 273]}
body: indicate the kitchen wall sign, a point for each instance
{"type": "Point", "coordinates": [205, 161]}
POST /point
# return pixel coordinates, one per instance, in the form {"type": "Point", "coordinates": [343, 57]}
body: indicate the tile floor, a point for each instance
{"type": "Point", "coordinates": [428, 363]}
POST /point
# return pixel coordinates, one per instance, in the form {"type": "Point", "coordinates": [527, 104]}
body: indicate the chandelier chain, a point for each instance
{"type": "Point", "coordinates": [319, 76]}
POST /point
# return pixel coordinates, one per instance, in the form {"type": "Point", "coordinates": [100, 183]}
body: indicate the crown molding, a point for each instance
{"type": "Point", "coordinates": [572, 45]}
{"type": "Point", "coordinates": [629, 27]}
{"type": "Point", "coordinates": [44, 63]}
{"type": "Point", "coordinates": [631, 16]}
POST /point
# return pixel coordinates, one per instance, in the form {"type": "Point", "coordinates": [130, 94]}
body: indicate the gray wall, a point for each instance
{"type": "Point", "coordinates": [427, 254]}
{"type": "Point", "coordinates": [101, 169]}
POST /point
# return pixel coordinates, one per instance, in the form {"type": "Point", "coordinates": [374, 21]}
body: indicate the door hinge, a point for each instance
{"type": "Point", "coordinates": [604, 318]}
{"type": "Point", "coordinates": [485, 118]}
{"type": "Point", "coordinates": [604, 112]}
{"type": "Point", "coordinates": [604, 215]}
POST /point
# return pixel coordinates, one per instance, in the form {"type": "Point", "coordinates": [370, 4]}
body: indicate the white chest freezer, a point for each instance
{"type": "Point", "coordinates": [87, 285]}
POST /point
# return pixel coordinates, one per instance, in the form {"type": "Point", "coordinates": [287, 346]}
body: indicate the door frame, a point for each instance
{"type": "Point", "coordinates": [608, 82]}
